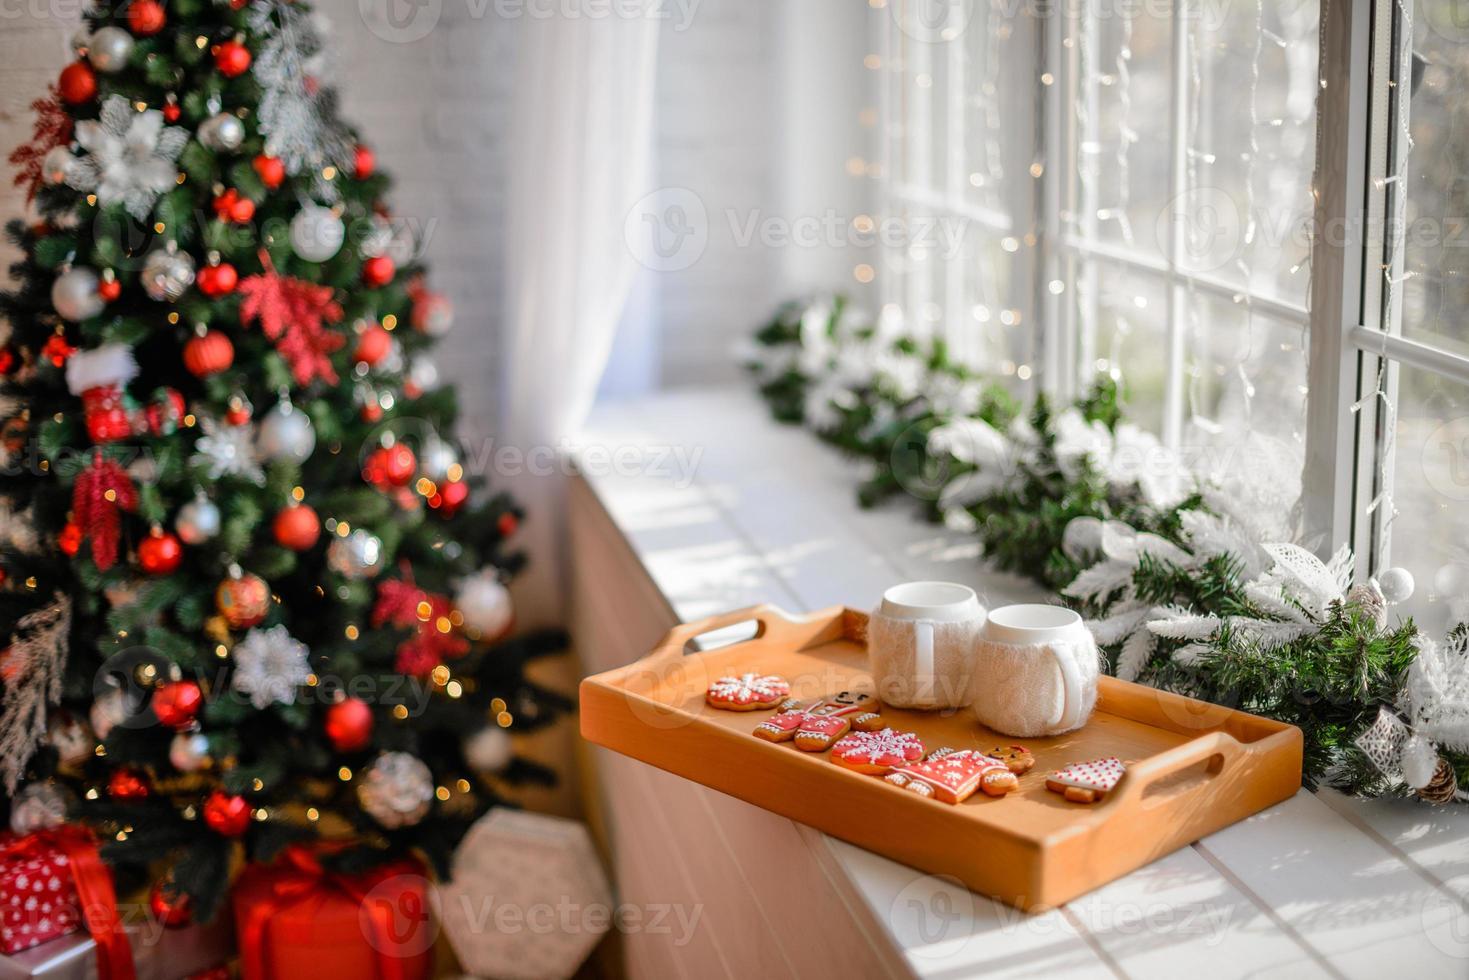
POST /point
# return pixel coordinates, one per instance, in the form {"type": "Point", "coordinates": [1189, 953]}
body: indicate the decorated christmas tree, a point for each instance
{"type": "Point", "coordinates": [250, 593]}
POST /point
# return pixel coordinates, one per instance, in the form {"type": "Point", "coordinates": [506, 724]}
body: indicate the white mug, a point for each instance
{"type": "Point", "coordinates": [920, 644]}
{"type": "Point", "coordinates": [1035, 671]}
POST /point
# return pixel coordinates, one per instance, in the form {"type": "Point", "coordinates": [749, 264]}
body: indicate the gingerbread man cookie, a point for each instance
{"type": "Point", "coordinates": [815, 727]}
{"type": "Point", "coordinates": [1086, 782]}
{"type": "Point", "coordinates": [1017, 757]}
{"type": "Point", "coordinates": [747, 692]}
{"type": "Point", "coordinates": [876, 752]}
{"type": "Point", "coordinates": [953, 775]}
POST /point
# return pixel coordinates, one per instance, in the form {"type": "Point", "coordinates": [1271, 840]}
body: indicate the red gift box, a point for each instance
{"type": "Point", "coordinates": [52, 883]}
{"type": "Point", "coordinates": [293, 917]}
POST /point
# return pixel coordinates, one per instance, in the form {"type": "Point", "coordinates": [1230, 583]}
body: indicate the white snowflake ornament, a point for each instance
{"type": "Point", "coordinates": [270, 665]}
{"type": "Point", "coordinates": [228, 450]}
{"type": "Point", "coordinates": [129, 156]}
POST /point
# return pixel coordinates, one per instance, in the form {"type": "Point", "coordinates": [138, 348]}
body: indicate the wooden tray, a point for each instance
{"type": "Point", "coordinates": [1192, 767]}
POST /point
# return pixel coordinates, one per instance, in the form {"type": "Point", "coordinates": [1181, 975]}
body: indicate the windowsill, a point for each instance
{"type": "Point", "coordinates": [768, 514]}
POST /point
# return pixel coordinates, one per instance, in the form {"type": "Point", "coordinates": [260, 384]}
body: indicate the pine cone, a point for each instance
{"type": "Point", "coordinates": [1442, 787]}
{"type": "Point", "coordinates": [1368, 598]}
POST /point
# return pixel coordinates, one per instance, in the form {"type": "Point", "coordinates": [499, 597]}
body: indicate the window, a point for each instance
{"type": "Point", "coordinates": [1136, 186]}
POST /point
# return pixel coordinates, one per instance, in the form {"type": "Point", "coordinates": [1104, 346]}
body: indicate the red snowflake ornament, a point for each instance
{"type": "Point", "coordinates": [293, 313]}
{"type": "Point", "coordinates": [51, 129]}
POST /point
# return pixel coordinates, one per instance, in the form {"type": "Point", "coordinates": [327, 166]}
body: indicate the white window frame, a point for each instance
{"type": "Point", "coordinates": [1354, 331]}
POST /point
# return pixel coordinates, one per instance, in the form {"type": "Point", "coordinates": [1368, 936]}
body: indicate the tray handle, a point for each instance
{"type": "Point", "coordinates": [770, 621]}
{"type": "Point", "coordinates": [1218, 745]}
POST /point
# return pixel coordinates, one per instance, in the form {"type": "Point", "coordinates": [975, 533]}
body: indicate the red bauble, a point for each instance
{"type": "Point", "coordinates": [507, 524]}
{"type": "Point", "coordinates": [373, 345]}
{"type": "Point", "coordinates": [271, 170]}
{"type": "Point", "coordinates": [372, 411]}
{"type": "Point", "coordinates": [378, 271]}
{"type": "Point", "coordinates": [77, 83]}
{"type": "Point", "coordinates": [219, 280]}
{"type": "Point", "coordinates": [57, 350]}
{"type": "Point", "coordinates": [146, 17]}
{"type": "Point", "coordinates": [243, 601]}
{"type": "Point", "coordinates": [230, 206]}
{"type": "Point", "coordinates": [390, 466]}
{"type": "Point", "coordinates": [7, 359]}
{"type": "Point", "coordinates": [208, 353]}
{"type": "Point", "coordinates": [70, 539]}
{"type": "Point", "coordinates": [171, 111]}
{"type": "Point", "coordinates": [109, 288]}
{"type": "Point", "coordinates": [451, 497]}
{"type": "Point", "coordinates": [226, 815]}
{"type": "Point", "coordinates": [177, 703]}
{"type": "Point", "coordinates": [297, 527]}
{"type": "Point", "coordinates": [168, 905]}
{"type": "Point", "coordinates": [165, 413]}
{"type": "Point", "coordinates": [239, 410]}
{"type": "Point", "coordinates": [349, 725]}
{"type": "Point", "coordinates": [160, 552]}
{"type": "Point", "coordinates": [126, 784]}
{"type": "Point", "coordinates": [363, 163]}
{"type": "Point", "coordinates": [231, 58]}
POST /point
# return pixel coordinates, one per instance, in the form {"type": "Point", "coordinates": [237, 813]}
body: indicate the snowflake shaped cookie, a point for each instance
{"type": "Point", "coordinates": [877, 752]}
{"type": "Point", "coordinates": [747, 692]}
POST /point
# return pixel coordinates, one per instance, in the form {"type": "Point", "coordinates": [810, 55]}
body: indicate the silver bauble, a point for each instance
{"type": "Point", "coordinates": [74, 294]}
{"type": "Point", "coordinates": [377, 237]}
{"type": "Point", "coordinates": [357, 556]}
{"type": "Point", "coordinates": [489, 749]}
{"type": "Point", "coordinates": [485, 604]}
{"type": "Point", "coordinates": [423, 373]}
{"type": "Point", "coordinates": [189, 752]}
{"type": "Point", "coordinates": [222, 131]}
{"type": "Point", "coordinates": [316, 233]}
{"type": "Point", "coordinates": [39, 806]}
{"type": "Point", "coordinates": [109, 710]}
{"type": "Point", "coordinates": [109, 49]}
{"type": "Point", "coordinates": [197, 521]}
{"type": "Point", "coordinates": [1396, 584]}
{"type": "Point", "coordinates": [167, 273]}
{"type": "Point", "coordinates": [56, 165]}
{"type": "Point", "coordinates": [286, 434]}
{"type": "Point", "coordinates": [396, 790]}
{"type": "Point", "coordinates": [435, 459]}
{"type": "Point", "coordinates": [72, 739]}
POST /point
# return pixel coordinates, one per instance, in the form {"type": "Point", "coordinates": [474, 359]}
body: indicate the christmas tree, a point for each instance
{"type": "Point", "coordinates": [251, 595]}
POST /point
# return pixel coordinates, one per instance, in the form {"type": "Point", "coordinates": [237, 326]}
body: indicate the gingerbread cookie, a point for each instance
{"type": "Point", "coordinates": [1017, 757]}
{"type": "Point", "coordinates": [747, 692]}
{"type": "Point", "coordinates": [953, 775]}
{"type": "Point", "coordinates": [876, 752]}
{"type": "Point", "coordinates": [1086, 782]}
{"type": "Point", "coordinates": [816, 726]}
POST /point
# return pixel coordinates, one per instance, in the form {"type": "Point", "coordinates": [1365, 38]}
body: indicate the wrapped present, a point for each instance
{"type": "Point", "coordinates": [52, 883]}
{"type": "Point", "coordinates": [159, 953]}
{"type": "Point", "coordinates": [293, 917]}
{"type": "Point", "coordinates": [515, 873]}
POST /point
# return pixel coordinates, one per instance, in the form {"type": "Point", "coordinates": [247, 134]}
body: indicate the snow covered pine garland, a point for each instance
{"type": "Point", "coordinates": [1187, 584]}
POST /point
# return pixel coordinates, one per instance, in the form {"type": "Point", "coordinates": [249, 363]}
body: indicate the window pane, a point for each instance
{"type": "Point", "coordinates": [1131, 340]}
{"type": "Point", "coordinates": [1430, 535]}
{"type": "Point", "coordinates": [1252, 140]}
{"type": "Point", "coordinates": [1435, 292]}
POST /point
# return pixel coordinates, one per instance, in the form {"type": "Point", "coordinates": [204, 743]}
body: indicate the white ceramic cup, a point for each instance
{"type": "Point", "coordinates": [920, 644]}
{"type": "Point", "coordinates": [1035, 671]}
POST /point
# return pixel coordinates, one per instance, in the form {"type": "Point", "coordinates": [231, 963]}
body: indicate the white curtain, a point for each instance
{"type": "Point", "coordinates": [579, 146]}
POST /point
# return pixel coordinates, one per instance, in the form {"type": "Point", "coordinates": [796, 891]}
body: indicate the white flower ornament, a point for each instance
{"type": "Point", "coordinates": [129, 156]}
